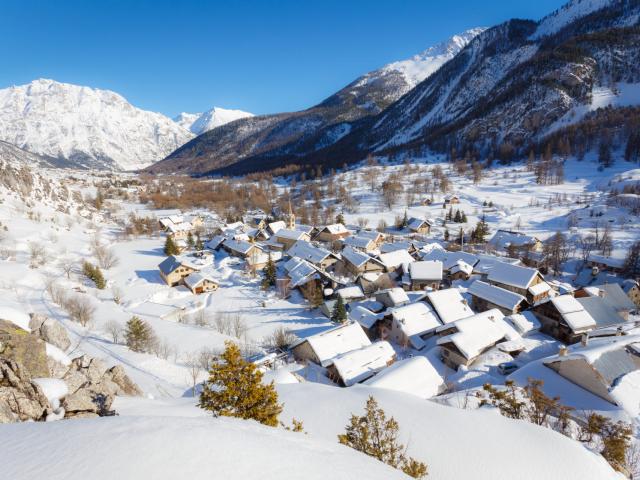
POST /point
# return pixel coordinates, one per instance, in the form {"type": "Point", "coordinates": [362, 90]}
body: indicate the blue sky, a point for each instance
{"type": "Point", "coordinates": [261, 56]}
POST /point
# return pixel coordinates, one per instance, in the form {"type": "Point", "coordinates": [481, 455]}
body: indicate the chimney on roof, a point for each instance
{"type": "Point", "coordinates": [584, 339]}
{"type": "Point", "coordinates": [562, 351]}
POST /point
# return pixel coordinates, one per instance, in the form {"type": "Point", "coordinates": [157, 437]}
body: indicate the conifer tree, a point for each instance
{"type": "Point", "coordinates": [93, 273]}
{"type": "Point", "coordinates": [446, 234]}
{"type": "Point", "coordinates": [405, 220]}
{"type": "Point", "coordinates": [190, 240]}
{"type": "Point", "coordinates": [199, 244]}
{"type": "Point", "coordinates": [235, 389]}
{"type": "Point", "coordinates": [270, 274]}
{"type": "Point", "coordinates": [340, 218]}
{"type": "Point", "coordinates": [339, 314]}
{"type": "Point", "coordinates": [377, 436]}
{"type": "Point", "coordinates": [170, 247]}
{"type": "Point", "coordinates": [457, 218]}
{"type": "Point", "coordinates": [463, 218]}
{"type": "Point", "coordinates": [138, 335]}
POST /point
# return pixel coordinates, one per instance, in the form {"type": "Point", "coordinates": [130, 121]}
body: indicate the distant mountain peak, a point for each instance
{"type": "Point", "coordinates": [216, 117]}
{"type": "Point", "coordinates": [417, 68]}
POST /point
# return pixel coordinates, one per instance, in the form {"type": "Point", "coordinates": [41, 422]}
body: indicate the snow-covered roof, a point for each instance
{"type": "Point", "coordinates": [486, 263]}
{"type": "Point", "coordinates": [449, 259]}
{"type": "Point", "coordinates": [356, 257]}
{"type": "Point", "coordinates": [416, 223]}
{"type": "Point", "coordinates": [475, 334]}
{"type": "Point", "coordinates": [299, 271]}
{"type": "Point", "coordinates": [239, 246]}
{"type": "Point", "coordinates": [275, 227]}
{"type": "Point", "coordinates": [394, 259]}
{"type": "Point", "coordinates": [364, 316]}
{"type": "Point", "coordinates": [415, 375]}
{"type": "Point", "coordinates": [539, 288]}
{"type": "Point", "coordinates": [496, 295]}
{"type": "Point", "coordinates": [396, 295]}
{"type": "Point", "coordinates": [505, 238]}
{"type": "Point", "coordinates": [524, 322]}
{"type": "Point", "coordinates": [358, 365]}
{"type": "Point", "coordinates": [335, 229]}
{"type": "Point", "coordinates": [392, 247]}
{"type": "Point", "coordinates": [196, 278]}
{"type": "Point", "coordinates": [342, 339]}
{"type": "Point", "coordinates": [414, 320]}
{"type": "Point", "coordinates": [215, 242]}
{"type": "Point", "coordinates": [461, 266]}
{"type": "Point", "coordinates": [603, 314]}
{"type": "Point", "coordinates": [449, 304]}
{"type": "Point", "coordinates": [359, 242]}
{"type": "Point", "coordinates": [612, 294]}
{"type": "Point", "coordinates": [169, 264]}
{"type": "Point", "coordinates": [309, 252]}
{"type": "Point", "coordinates": [350, 293]}
{"type": "Point", "coordinates": [573, 313]}
{"type": "Point", "coordinates": [179, 227]}
{"type": "Point", "coordinates": [290, 234]}
{"type": "Point", "coordinates": [609, 261]}
{"type": "Point", "coordinates": [513, 275]}
{"type": "Point", "coordinates": [426, 270]}
{"type": "Point", "coordinates": [371, 234]}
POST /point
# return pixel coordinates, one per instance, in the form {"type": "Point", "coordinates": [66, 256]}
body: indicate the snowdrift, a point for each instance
{"type": "Point", "coordinates": [134, 448]}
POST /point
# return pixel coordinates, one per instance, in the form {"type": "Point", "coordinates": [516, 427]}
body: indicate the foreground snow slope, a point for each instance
{"type": "Point", "coordinates": [455, 443]}
{"type": "Point", "coordinates": [176, 448]}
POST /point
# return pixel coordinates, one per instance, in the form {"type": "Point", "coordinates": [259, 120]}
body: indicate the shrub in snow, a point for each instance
{"type": "Point", "coordinates": [93, 273]}
{"type": "Point", "coordinates": [377, 436]}
{"type": "Point", "coordinates": [235, 389]}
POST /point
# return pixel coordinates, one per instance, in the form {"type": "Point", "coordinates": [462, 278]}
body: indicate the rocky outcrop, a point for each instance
{"type": "Point", "coordinates": [93, 387]}
{"type": "Point", "coordinates": [25, 349]}
{"type": "Point", "coordinates": [20, 399]}
{"type": "Point", "coordinates": [50, 331]}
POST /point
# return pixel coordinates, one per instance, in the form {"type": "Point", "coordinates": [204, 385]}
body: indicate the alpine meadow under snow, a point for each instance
{"type": "Point", "coordinates": [434, 273]}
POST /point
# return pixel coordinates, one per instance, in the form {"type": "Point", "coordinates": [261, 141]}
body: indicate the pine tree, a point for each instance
{"type": "Point", "coordinates": [446, 234]}
{"type": "Point", "coordinates": [463, 218]}
{"type": "Point", "coordinates": [170, 247]}
{"type": "Point", "coordinates": [481, 231]}
{"type": "Point", "coordinates": [235, 389]}
{"type": "Point", "coordinates": [190, 240]}
{"type": "Point", "coordinates": [340, 218]}
{"type": "Point", "coordinates": [339, 314]}
{"type": "Point", "coordinates": [377, 436]}
{"type": "Point", "coordinates": [405, 220]}
{"type": "Point", "coordinates": [199, 244]}
{"type": "Point", "coordinates": [457, 218]}
{"type": "Point", "coordinates": [138, 335]}
{"type": "Point", "coordinates": [270, 274]}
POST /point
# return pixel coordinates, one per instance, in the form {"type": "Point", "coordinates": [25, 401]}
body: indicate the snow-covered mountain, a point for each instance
{"type": "Point", "coordinates": [410, 72]}
{"type": "Point", "coordinates": [85, 126]}
{"type": "Point", "coordinates": [185, 120]}
{"type": "Point", "coordinates": [198, 123]}
{"type": "Point", "coordinates": [504, 94]}
{"type": "Point", "coordinates": [299, 133]}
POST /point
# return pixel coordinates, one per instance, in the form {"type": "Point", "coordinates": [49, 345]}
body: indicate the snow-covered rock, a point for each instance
{"type": "Point", "coordinates": [85, 126]}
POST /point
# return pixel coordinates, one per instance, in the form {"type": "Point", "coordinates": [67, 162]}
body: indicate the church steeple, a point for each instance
{"type": "Point", "coordinates": [290, 218]}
